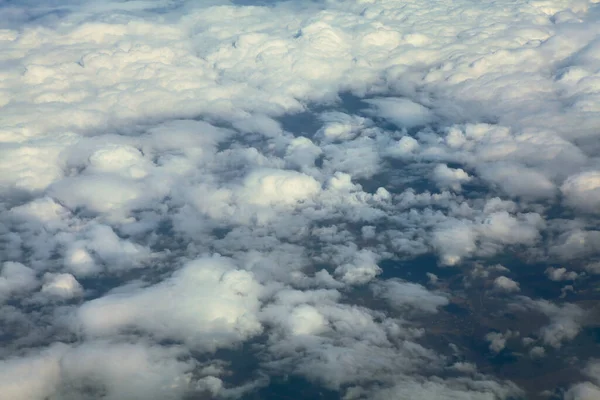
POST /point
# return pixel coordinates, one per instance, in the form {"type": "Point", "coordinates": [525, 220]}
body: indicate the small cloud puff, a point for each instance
{"type": "Point", "coordinates": [402, 295]}
{"type": "Point", "coordinates": [402, 112]}
{"type": "Point", "coordinates": [561, 274]}
{"type": "Point", "coordinates": [583, 191]}
{"type": "Point", "coordinates": [16, 279]}
{"type": "Point", "coordinates": [63, 286]}
{"type": "Point", "coordinates": [267, 187]}
{"type": "Point", "coordinates": [505, 284]}
{"type": "Point", "coordinates": [452, 178]}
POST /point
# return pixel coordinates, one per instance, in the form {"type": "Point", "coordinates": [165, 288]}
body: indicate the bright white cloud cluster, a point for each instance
{"type": "Point", "coordinates": [180, 178]}
{"type": "Point", "coordinates": [207, 304]}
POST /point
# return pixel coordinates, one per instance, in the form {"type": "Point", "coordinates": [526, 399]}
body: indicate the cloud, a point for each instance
{"type": "Point", "coordinates": [98, 194]}
{"type": "Point", "coordinates": [16, 279]}
{"type": "Point", "coordinates": [560, 274]}
{"type": "Point", "coordinates": [583, 190]}
{"type": "Point", "coordinates": [437, 389]}
{"type": "Point", "coordinates": [530, 184]}
{"type": "Point", "coordinates": [63, 286]}
{"type": "Point", "coordinates": [505, 284]}
{"type": "Point", "coordinates": [362, 269]}
{"type": "Point", "coordinates": [110, 370]}
{"type": "Point", "coordinates": [498, 340]}
{"type": "Point", "coordinates": [454, 240]}
{"type": "Point", "coordinates": [405, 295]}
{"type": "Point", "coordinates": [566, 321]}
{"type": "Point", "coordinates": [450, 177]}
{"type": "Point", "coordinates": [207, 304]}
{"type": "Point", "coordinates": [277, 187]}
{"type": "Point", "coordinates": [537, 352]}
{"type": "Point", "coordinates": [404, 113]}
{"type": "Point", "coordinates": [586, 390]}
{"type": "Point", "coordinates": [335, 155]}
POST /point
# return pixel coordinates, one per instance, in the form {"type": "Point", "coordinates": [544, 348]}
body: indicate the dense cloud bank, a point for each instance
{"type": "Point", "coordinates": [382, 199]}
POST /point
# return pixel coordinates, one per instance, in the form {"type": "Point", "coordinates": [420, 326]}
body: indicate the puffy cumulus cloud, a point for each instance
{"type": "Point", "coordinates": [504, 228]}
{"type": "Point", "coordinates": [32, 166]}
{"type": "Point", "coordinates": [454, 240]}
{"type": "Point", "coordinates": [122, 160]}
{"type": "Point", "coordinates": [402, 112]}
{"type": "Point", "coordinates": [207, 304]}
{"type": "Point", "coordinates": [340, 126]}
{"type": "Point", "coordinates": [97, 248]}
{"type": "Point", "coordinates": [565, 321]}
{"type": "Point", "coordinates": [357, 350]}
{"type": "Point", "coordinates": [561, 274]}
{"type": "Point", "coordinates": [63, 286]}
{"type": "Point", "coordinates": [43, 210]}
{"type": "Point", "coordinates": [485, 232]}
{"type": "Point", "coordinates": [16, 279]}
{"type": "Point", "coordinates": [302, 153]}
{"type": "Point", "coordinates": [362, 269]}
{"type": "Point", "coordinates": [575, 241]}
{"type": "Point", "coordinates": [406, 146]}
{"type": "Point", "coordinates": [330, 342]}
{"type": "Point", "coordinates": [437, 389]}
{"type": "Point", "coordinates": [278, 187]}
{"type": "Point", "coordinates": [506, 284]}
{"type": "Point", "coordinates": [97, 369]}
{"type": "Point", "coordinates": [529, 184]}
{"type": "Point", "coordinates": [498, 340]}
{"type": "Point", "coordinates": [537, 352]}
{"type": "Point", "coordinates": [583, 191]}
{"type": "Point", "coordinates": [406, 295]}
{"type": "Point", "coordinates": [450, 177]}
{"type": "Point", "coordinates": [33, 377]}
{"type": "Point", "coordinates": [309, 143]}
{"type": "Point", "coordinates": [583, 391]}
{"type": "Point", "coordinates": [97, 194]}
{"type": "Point", "coordinates": [306, 320]}
{"type": "Point", "coordinates": [342, 156]}
{"type": "Point", "coordinates": [586, 390]}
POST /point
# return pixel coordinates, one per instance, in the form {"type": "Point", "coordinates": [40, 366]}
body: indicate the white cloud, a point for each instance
{"type": "Point", "coordinates": [560, 274]}
{"type": "Point", "coordinates": [63, 286]}
{"type": "Point", "coordinates": [112, 370]}
{"type": "Point", "coordinates": [537, 352]}
{"type": "Point", "coordinates": [123, 160]}
{"type": "Point", "coordinates": [583, 190]}
{"type": "Point", "coordinates": [406, 146]}
{"type": "Point", "coordinates": [362, 269]}
{"type": "Point", "coordinates": [498, 340]}
{"type": "Point", "coordinates": [454, 241]}
{"type": "Point", "coordinates": [305, 320]}
{"type": "Point", "coordinates": [303, 141]}
{"type": "Point", "coordinates": [446, 177]}
{"type": "Point", "coordinates": [586, 390]}
{"type": "Point", "coordinates": [302, 152]}
{"type": "Point", "coordinates": [404, 113]}
{"type": "Point", "coordinates": [278, 187]}
{"type": "Point", "coordinates": [207, 304]}
{"type": "Point", "coordinates": [16, 279]}
{"type": "Point", "coordinates": [437, 389]}
{"type": "Point", "coordinates": [506, 284]}
{"type": "Point", "coordinates": [566, 321]}
{"type": "Point", "coordinates": [583, 391]}
{"type": "Point", "coordinates": [97, 194]}
{"type": "Point", "coordinates": [529, 184]}
{"type": "Point", "coordinates": [405, 295]}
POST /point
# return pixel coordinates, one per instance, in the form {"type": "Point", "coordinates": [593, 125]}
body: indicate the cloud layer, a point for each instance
{"type": "Point", "coordinates": [201, 199]}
